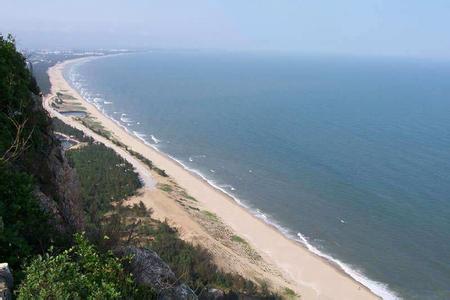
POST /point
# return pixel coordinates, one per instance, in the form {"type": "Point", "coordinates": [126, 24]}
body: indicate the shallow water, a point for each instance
{"type": "Point", "coordinates": [354, 154]}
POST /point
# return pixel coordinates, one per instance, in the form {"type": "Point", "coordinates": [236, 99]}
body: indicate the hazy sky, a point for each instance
{"type": "Point", "coordinates": [363, 27]}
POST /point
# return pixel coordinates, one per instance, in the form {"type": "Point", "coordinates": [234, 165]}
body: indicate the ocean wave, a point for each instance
{"type": "Point", "coordinates": [154, 139]}
{"type": "Point", "coordinates": [126, 120]}
{"type": "Point", "coordinates": [376, 287]}
{"type": "Point", "coordinates": [192, 157]}
{"type": "Point", "coordinates": [140, 135]}
{"type": "Point", "coordinates": [228, 186]}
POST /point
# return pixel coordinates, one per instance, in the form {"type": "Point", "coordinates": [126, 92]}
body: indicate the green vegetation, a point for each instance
{"type": "Point", "coordinates": [160, 172]}
{"type": "Point", "coordinates": [238, 239]}
{"type": "Point", "coordinates": [194, 265]}
{"type": "Point", "coordinates": [68, 130]}
{"type": "Point", "coordinates": [187, 196]}
{"type": "Point", "coordinates": [105, 178]}
{"type": "Point", "coordinates": [23, 128]}
{"type": "Point", "coordinates": [80, 272]}
{"type": "Point", "coordinates": [25, 229]}
{"type": "Point", "coordinates": [133, 225]}
{"type": "Point", "coordinates": [210, 216]}
{"type": "Point", "coordinates": [146, 161]}
{"type": "Point", "coordinates": [96, 127]}
{"type": "Point", "coordinates": [65, 96]}
{"type": "Point", "coordinates": [193, 208]}
{"type": "Point", "coordinates": [165, 187]}
{"type": "Point", "coordinates": [290, 294]}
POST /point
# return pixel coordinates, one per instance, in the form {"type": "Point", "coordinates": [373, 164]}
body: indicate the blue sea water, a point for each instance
{"type": "Point", "coordinates": [350, 155]}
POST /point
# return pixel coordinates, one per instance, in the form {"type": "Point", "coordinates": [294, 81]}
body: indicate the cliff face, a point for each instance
{"type": "Point", "coordinates": [27, 142]}
{"type": "Point", "coordinates": [57, 184]}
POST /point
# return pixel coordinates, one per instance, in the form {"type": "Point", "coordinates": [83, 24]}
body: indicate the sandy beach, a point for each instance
{"type": "Point", "coordinates": [265, 256]}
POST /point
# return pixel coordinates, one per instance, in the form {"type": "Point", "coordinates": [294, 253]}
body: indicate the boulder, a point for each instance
{"type": "Point", "coordinates": [150, 270]}
{"type": "Point", "coordinates": [6, 282]}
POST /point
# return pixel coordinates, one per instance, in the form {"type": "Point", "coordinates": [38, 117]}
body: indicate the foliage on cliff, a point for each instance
{"type": "Point", "coordinates": [23, 126]}
{"type": "Point", "coordinates": [27, 143]}
{"type": "Point", "coordinates": [80, 272]}
{"type": "Point", "coordinates": [24, 229]}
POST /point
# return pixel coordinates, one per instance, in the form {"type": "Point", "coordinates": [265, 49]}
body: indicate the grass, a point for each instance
{"type": "Point", "coordinates": [238, 239]}
{"type": "Point", "coordinates": [146, 161]}
{"type": "Point", "coordinates": [66, 96]}
{"type": "Point", "coordinates": [165, 187]}
{"type": "Point", "coordinates": [160, 172]}
{"type": "Point", "coordinates": [96, 127]}
{"type": "Point", "coordinates": [210, 216]}
{"type": "Point", "coordinates": [290, 294]}
{"type": "Point", "coordinates": [187, 196]}
{"type": "Point", "coordinates": [120, 144]}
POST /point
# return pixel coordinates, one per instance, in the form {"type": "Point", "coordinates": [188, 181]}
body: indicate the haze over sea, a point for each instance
{"type": "Point", "coordinates": [351, 154]}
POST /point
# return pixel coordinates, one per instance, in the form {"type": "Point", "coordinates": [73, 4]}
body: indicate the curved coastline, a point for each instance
{"type": "Point", "coordinates": [376, 288]}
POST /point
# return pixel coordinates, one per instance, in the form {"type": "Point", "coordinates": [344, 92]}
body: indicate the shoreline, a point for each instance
{"type": "Point", "coordinates": [314, 275]}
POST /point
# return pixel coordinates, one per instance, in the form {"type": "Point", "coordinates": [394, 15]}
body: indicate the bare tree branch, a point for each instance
{"type": "Point", "coordinates": [20, 142]}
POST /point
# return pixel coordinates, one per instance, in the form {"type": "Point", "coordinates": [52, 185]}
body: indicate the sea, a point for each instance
{"type": "Point", "coordinates": [349, 156]}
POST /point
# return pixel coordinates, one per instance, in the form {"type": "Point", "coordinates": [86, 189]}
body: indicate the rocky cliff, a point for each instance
{"type": "Point", "coordinates": [27, 142]}
{"type": "Point", "coordinates": [57, 186]}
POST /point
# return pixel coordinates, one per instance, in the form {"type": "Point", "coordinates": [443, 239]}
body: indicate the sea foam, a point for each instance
{"type": "Point", "coordinates": [154, 139]}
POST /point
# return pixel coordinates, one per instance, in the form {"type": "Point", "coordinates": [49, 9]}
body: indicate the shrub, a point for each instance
{"type": "Point", "coordinates": [79, 273]}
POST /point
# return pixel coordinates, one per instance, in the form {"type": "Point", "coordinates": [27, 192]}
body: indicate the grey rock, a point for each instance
{"type": "Point", "coordinates": [214, 293]}
{"type": "Point", "coordinates": [6, 282]}
{"type": "Point", "coordinates": [150, 270]}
